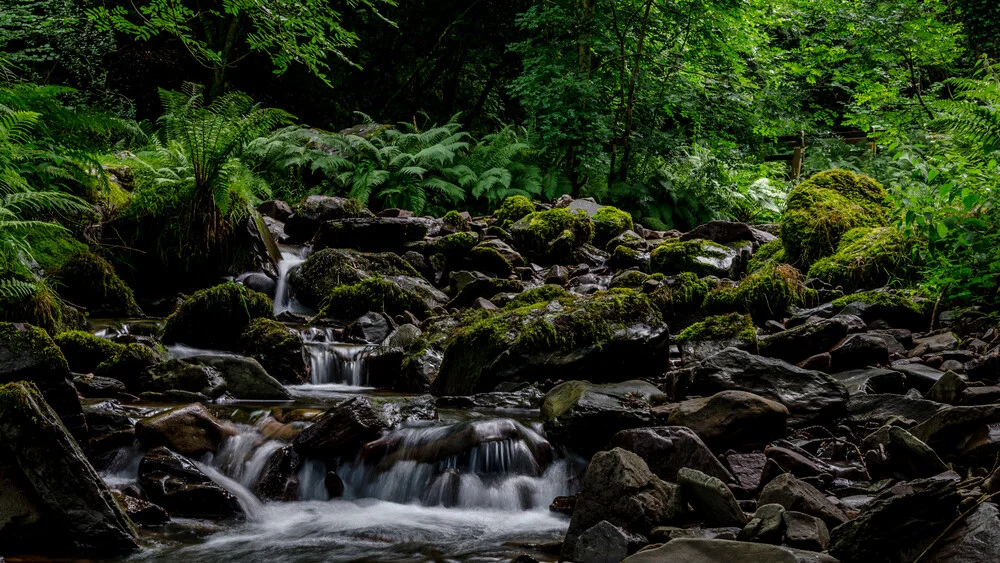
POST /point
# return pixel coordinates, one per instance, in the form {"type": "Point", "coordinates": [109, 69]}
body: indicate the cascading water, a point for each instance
{"type": "Point", "coordinates": [283, 299]}
{"type": "Point", "coordinates": [334, 362]}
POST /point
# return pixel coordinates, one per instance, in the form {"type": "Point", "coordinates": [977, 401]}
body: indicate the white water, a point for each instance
{"type": "Point", "coordinates": [283, 300]}
{"type": "Point", "coordinates": [334, 362]}
{"type": "Point", "coordinates": [180, 351]}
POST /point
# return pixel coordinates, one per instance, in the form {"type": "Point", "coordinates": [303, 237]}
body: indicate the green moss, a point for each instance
{"type": "Point", "coordinates": [216, 317]}
{"type": "Point", "coordinates": [562, 398]}
{"type": "Point", "coordinates": [629, 278]}
{"type": "Point", "coordinates": [486, 259]}
{"type": "Point", "coordinates": [552, 235]}
{"type": "Point", "coordinates": [680, 299]}
{"type": "Point", "coordinates": [52, 247]}
{"type": "Point", "coordinates": [720, 327]}
{"type": "Point", "coordinates": [485, 288]}
{"type": "Point", "coordinates": [454, 221]}
{"type": "Point", "coordinates": [89, 280]}
{"type": "Point", "coordinates": [540, 294]}
{"type": "Point", "coordinates": [889, 300]}
{"type": "Point", "coordinates": [768, 252]}
{"type": "Point", "coordinates": [676, 256]}
{"type": "Point", "coordinates": [824, 207]}
{"type": "Point", "coordinates": [512, 210]}
{"type": "Point", "coordinates": [349, 302]}
{"type": "Point", "coordinates": [764, 294]}
{"type": "Point", "coordinates": [85, 351]}
{"type": "Point", "coordinates": [867, 257]}
{"type": "Point", "coordinates": [41, 308]}
{"type": "Point", "coordinates": [629, 240]}
{"type": "Point", "coordinates": [129, 363]}
{"type": "Point", "coordinates": [34, 342]}
{"type": "Point", "coordinates": [330, 268]}
{"type": "Point", "coordinates": [456, 244]}
{"type": "Point", "coordinates": [610, 222]}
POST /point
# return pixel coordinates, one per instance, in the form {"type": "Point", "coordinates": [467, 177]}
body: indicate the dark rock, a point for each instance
{"type": "Point", "coordinates": [805, 532]}
{"type": "Point", "coordinates": [257, 281]}
{"type": "Point", "coordinates": [105, 417]}
{"type": "Point", "coordinates": [403, 336]}
{"type": "Point", "coordinates": [279, 480]}
{"type": "Point", "coordinates": [341, 430]}
{"type": "Point", "coordinates": [798, 343]}
{"type": "Point", "coordinates": [819, 362]}
{"type": "Point", "coordinates": [51, 499]}
{"type": "Point", "coordinates": [606, 543]}
{"type": "Point", "coordinates": [731, 419]}
{"type": "Point", "coordinates": [899, 454]}
{"type": "Point", "coordinates": [276, 209]}
{"type": "Point", "coordinates": [747, 468]}
{"type": "Point", "coordinates": [934, 344]}
{"type": "Point", "coordinates": [766, 526]}
{"type": "Point", "coordinates": [948, 389]}
{"type": "Point", "coordinates": [619, 488]}
{"type": "Point", "coordinates": [724, 232]}
{"type": "Point", "coordinates": [712, 500]}
{"type": "Point", "coordinates": [371, 327]}
{"type": "Point", "coordinates": [242, 378]}
{"type": "Point", "coordinates": [976, 538]}
{"type": "Point", "coordinates": [190, 430]}
{"type": "Point", "coordinates": [667, 449]}
{"type": "Point", "coordinates": [872, 380]}
{"type": "Point", "coordinates": [94, 387]}
{"type": "Point", "coordinates": [983, 395]}
{"type": "Point", "coordinates": [143, 513]}
{"type": "Point", "coordinates": [315, 210]}
{"type": "Point", "coordinates": [378, 234]}
{"type": "Point", "coordinates": [858, 351]}
{"type": "Point", "coordinates": [277, 348]}
{"type": "Point", "coordinates": [175, 483]}
{"type": "Point", "coordinates": [327, 269]}
{"type": "Point", "coordinates": [810, 396]}
{"type": "Point", "coordinates": [957, 429]}
{"type": "Point", "coordinates": [795, 494]}
{"type": "Point", "coordinates": [899, 524]}
{"type": "Point", "coordinates": [557, 275]}
{"type": "Point", "coordinates": [918, 376]}
{"type": "Point", "coordinates": [691, 550]}
{"type": "Point", "coordinates": [563, 505]}
{"type": "Point", "coordinates": [879, 408]}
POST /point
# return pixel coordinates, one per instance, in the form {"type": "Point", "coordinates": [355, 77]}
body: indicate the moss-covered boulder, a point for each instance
{"type": "Point", "coordinates": [89, 280]}
{"type": "Point", "coordinates": [330, 268]}
{"type": "Point", "coordinates": [51, 248]}
{"type": "Point", "coordinates": [866, 258]}
{"type": "Point", "coordinates": [129, 363]}
{"type": "Point", "coordinates": [52, 501]}
{"type": "Point", "coordinates": [512, 210]}
{"type": "Point", "coordinates": [456, 244]}
{"type": "Point", "coordinates": [769, 252]}
{"type": "Point", "coordinates": [309, 214]}
{"type": "Point", "coordinates": [277, 348]}
{"type": "Point", "coordinates": [901, 309]}
{"type": "Point", "coordinates": [609, 222]}
{"type": "Point", "coordinates": [713, 334]}
{"type": "Point", "coordinates": [551, 236]}
{"type": "Point", "coordinates": [632, 279]}
{"type": "Point", "coordinates": [39, 306]}
{"type": "Point", "coordinates": [349, 302]}
{"type": "Point", "coordinates": [27, 353]}
{"type": "Point", "coordinates": [540, 294]}
{"type": "Point", "coordinates": [485, 288]}
{"type": "Point", "coordinates": [454, 222]}
{"type": "Point", "coordinates": [607, 336]}
{"type": "Point", "coordinates": [216, 317]}
{"type": "Point", "coordinates": [680, 299]}
{"type": "Point", "coordinates": [702, 257]}
{"type": "Point", "coordinates": [628, 239]}
{"type": "Point", "coordinates": [84, 351]}
{"type": "Point", "coordinates": [764, 294]}
{"type": "Point", "coordinates": [821, 209]}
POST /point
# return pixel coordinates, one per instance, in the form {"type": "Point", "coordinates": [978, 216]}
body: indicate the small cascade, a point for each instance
{"type": "Point", "coordinates": [249, 502]}
{"type": "Point", "coordinates": [243, 456]}
{"type": "Point", "coordinates": [181, 351]}
{"type": "Point", "coordinates": [283, 300]}
{"type": "Point", "coordinates": [334, 362]}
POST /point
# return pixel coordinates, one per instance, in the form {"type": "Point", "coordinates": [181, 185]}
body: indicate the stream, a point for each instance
{"type": "Point", "coordinates": [485, 499]}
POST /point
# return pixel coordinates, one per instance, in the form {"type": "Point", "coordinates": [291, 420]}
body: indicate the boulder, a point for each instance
{"type": "Point", "coordinates": [178, 485]}
{"type": "Point", "coordinates": [668, 449]}
{"type": "Point", "coordinates": [795, 494]}
{"type": "Point", "coordinates": [379, 234]}
{"type": "Point", "coordinates": [867, 257]}
{"type": "Point", "coordinates": [809, 396]}
{"type": "Point", "coordinates": [725, 232]}
{"type": "Point", "coordinates": [805, 532]}
{"type": "Point", "coordinates": [316, 209]}
{"type": "Point", "coordinates": [974, 539]}
{"type": "Point", "coordinates": [620, 488]}
{"type": "Point", "coordinates": [798, 343]}
{"type": "Point", "coordinates": [767, 525]}
{"type": "Point", "coordinates": [143, 513]}
{"type": "Point", "coordinates": [90, 281]}
{"type": "Point", "coordinates": [190, 430]}
{"type": "Point", "coordinates": [692, 550]}
{"type": "Point", "coordinates": [213, 376]}
{"type": "Point", "coordinates": [899, 524]}
{"type": "Point", "coordinates": [702, 257]}
{"type": "Point", "coordinates": [712, 500]}
{"type": "Point", "coordinates": [84, 351]}
{"type": "Point", "coordinates": [872, 380]}
{"type": "Point", "coordinates": [894, 452]}
{"type": "Point", "coordinates": [51, 499]}
{"type": "Point", "coordinates": [879, 408]}
{"type": "Point", "coordinates": [327, 269]}
{"type": "Point", "coordinates": [94, 387]}
{"type": "Point", "coordinates": [918, 376]}
{"type": "Point", "coordinates": [342, 430]}
{"type": "Point", "coordinates": [277, 349]}
{"type": "Point", "coordinates": [552, 235]}
{"type": "Point", "coordinates": [957, 429]}
{"type": "Point", "coordinates": [27, 353]}
{"type": "Point", "coordinates": [858, 351]}
{"type": "Point", "coordinates": [279, 479]}
{"type": "Point", "coordinates": [585, 416]}
{"type": "Point", "coordinates": [276, 209]}
{"type": "Point", "coordinates": [948, 389]}
{"type": "Point", "coordinates": [216, 318]}
{"type": "Point", "coordinates": [606, 543]}
{"type": "Point", "coordinates": [129, 364]}
{"type": "Point", "coordinates": [731, 419]}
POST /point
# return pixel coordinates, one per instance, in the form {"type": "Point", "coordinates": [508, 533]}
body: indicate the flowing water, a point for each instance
{"type": "Point", "coordinates": [283, 298]}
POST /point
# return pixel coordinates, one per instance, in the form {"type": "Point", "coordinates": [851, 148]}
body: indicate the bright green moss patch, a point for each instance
{"type": "Point", "coordinates": [129, 363]}
{"type": "Point", "coordinates": [889, 300]}
{"type": "Point", "coordinates": [867, 257]}
{"type": "Point", "coordinates": [216, 317]}
{"type": "Point", "coordinates": [764, 294]}
{"type": "Point", "coordinates": [720, 327]}
{"type": "Point", "coordinates": [769, 252]}
{"type": "Point", "coordinates": [330, 268]}
{"type": "Point", "coordinates": [454, 221]}
{"type": "Point", "coordinates": [32, 341]}
{"type": "Point", "coordinates": [821, 209]}
{"type": "Point", "coordinates": [52, 247]}
{"type": "Point", "coordinates": [456, 244]}
{"type": "Point", "coordinates": [512, 210]}
{"type": "Point", "coordinates": [41, 308]}
{"type": "Point", "coordinates": [540, 294]}
{"type": "Point", "coordinates": [552, 235]}
{"type": "Point", "coordinates": [680, 298]}
{"type": "Point", "coordinates": [627, 239]}
{"type": "Point", "coordinates": [610, 222]}
{"type": "Point", "coordinates": [349, 302]}
{"type": "Point", "coordinates": [85, 351]}
{"type": "Point", "coordinates": [701, 257]}
{"type": "Point", "coordinates": [89, 280]}
{"type": "Point", "coordinates": [629, 278]}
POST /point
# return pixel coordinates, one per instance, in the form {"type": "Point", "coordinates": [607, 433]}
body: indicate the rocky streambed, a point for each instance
{"type": "Point", "coordinates": [536, 385]}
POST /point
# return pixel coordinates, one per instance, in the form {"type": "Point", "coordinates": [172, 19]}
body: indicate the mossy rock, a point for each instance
{"type": "Point", "coordinates": [129, 363]}
{"type": "Point", "coordinates": [41, 307]}
{"type": "Point", "coordinates": [216, 317]}
{"type": "Point", "coordinates": [85, 351]}
{"type": "Point", "coordinates": [680, 298]}
{"type": "Point", "coordinates": [605, 336]}
{"type": "Point", "coordinates": [609, 222]}
{"type": "Point", "coordinates": [89, 280]}
{"type": "Point", "coordinates": [867, 257]}
{"type": "Point", "coordinates": [454, 222]}
{"type": "Point", "coordinates": [485, 288]}
{"type": "Point", "coordinates": [702, 257]}
{"type": "Point", "coordinates": [764, 294]}
{"type": "Point", "coordinates": [821, 209]}
{"type": "Point", "coordinates": [625, 257]}
{"type": "Point", "coordinates": [330, 268]}
{"type": "Point", "coordinates": [768, 253]}
{"type": "Point", "coordinates": [733, 326]}
{"type": "Point", "coordinates": [456, 244]}
{"type": "Point", "coordinates": [487, 259]}
{"type": "Point", "coordinates": [349, 302]}
{"type": "Point", "coordinates": [512, 210]}
{"type": "Point", "coordinates": [276, 348]}
{"type": "Point", "coordinates": [628, 239]}
{"type": "Point", "coordinates": [51, 248]}
{"type": "Point", "coordinates": [901, 308]}
{"type": "Point", "coordinates": [551, 236]}
{"type": "Point", "coordinates": [540, 294]}
{"type": "Point", "coordinates": [633, 279]}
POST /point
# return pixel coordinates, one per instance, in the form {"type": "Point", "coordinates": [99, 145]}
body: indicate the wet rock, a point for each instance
{"type": "Point", "coordinates": [333, 484]}
{"type": "Point", "coordinates": [690, 550]}
{"type": "Point", "coordinates": [215, 318]}
{"type": "Point", "coordinates": [141, 512]}
{"type": "Point", "coordinates": [105, 417]}
{"type": "Point", "coordinates": [731, 419]}
{"type": "Point", "coordinates": [257, 281]}
{"type": "Point", "coordinates": [766, 526]}
{"type": "Point", "coordinates": [809, 396]}
{"type": "Point", "coordinates": [341, 430]}
{"type": "Point", "coordinates": [277, 349]}
{"type": "Point", "coordinates": [84, 351]}
{"type": "Point", "coordinates": [317, 209]}
{"type": "Point", "coordinates": [175, 483]}
{"type": "Point", "coordinates": [976, 538]}
{"type": "Point", "coordinates": [805, 532]}
{"type": "Point", "coordinates": [899, 524]}
{"type": "Point", "coordinates": [879, 408]}
{"type": "Point", "coordinates": [327, 269]}
{"type": "Point", "coordinates": [724, 232]}
{"type": "Point", "coordinates": [918, 376]}
{"type": "Point", "coordinates": [897, 453]}
{"type": "Point", "coordinates": [819, 362]}
{"type": "Point", "coordinates": [51, 499]}
{"type": "Point", "coordinates": [957, 429]}
{"type": "Point", "coordinates": [620, 488]}
{"type": "Point", "coordinates": [983, 395]}
{"type": "Point", "coordinates": [934, 344]}
{"type": "Point", "coordinates": [747, 468]}
{"type": "Point", "coordinates": [585, 416]}
{"type": "Point", "coordinates": [528, 398]}
{"type": "Point", "coordinates": [129, 363]}
{"type": "Point", "coordinates": [664, 534]}
{"type": "Point", "coordinates": [378, 234]}
{"type": "Point", "coordinates": [606, 543]}
{"type": "Point", "coordinates": [668, 449]}
{"type": "Point", "coordinates": [279, 480]}
{"type": "Point", "coordinates": [371, 327]}
{"type": "Point", "coordinates": [190, 431]}
{"type": "Point", "coordinates": [276, 209]}
{"type": "Point", "coordinates": [948, 389]}
{"type": "Point", "coordinates": [712, 500]}
{"type": "Point", "coordinates": [91, 386]}
{"type": "Point", "coordinates": [403, 336]}
{"type": "Point", "coordinates": [242, 378]}
{"type": "Point", "coordinates": [28, 354]}
{"type": "Point", "coordinates": [798, 343]}
{"type": "Point", "coordinates": [873, 380]}
{"type": "Point", "coordinates": [795, 494]}
{"type": "Point", "coordinates": [858, 351]}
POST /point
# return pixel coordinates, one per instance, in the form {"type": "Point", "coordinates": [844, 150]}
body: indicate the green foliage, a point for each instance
{"type": "Point", "coordinates": [541, 294]}
{"type": "Point", "coordinates": [769, 252]}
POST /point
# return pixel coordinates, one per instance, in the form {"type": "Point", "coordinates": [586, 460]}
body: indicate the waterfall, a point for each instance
{"type": "Point", "coordinates": [334, 362]}
{"type": "Point", "coordinates": [283, 300]}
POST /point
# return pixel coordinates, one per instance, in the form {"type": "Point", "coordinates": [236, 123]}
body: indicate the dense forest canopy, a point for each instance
{"type": "Point", "coordinates": [677, 111]}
